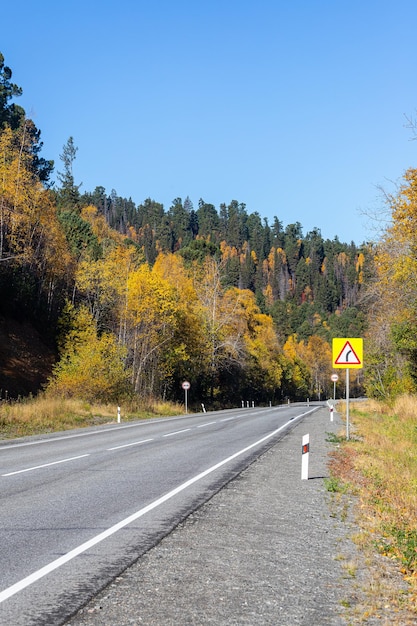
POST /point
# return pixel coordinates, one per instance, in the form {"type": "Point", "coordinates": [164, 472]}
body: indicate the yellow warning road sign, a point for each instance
{"type": "Point", "coordinates": [347, 352]}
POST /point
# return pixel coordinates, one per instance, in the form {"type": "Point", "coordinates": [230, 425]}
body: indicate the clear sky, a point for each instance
{"type": "Point", "coordinates": [297, 108]}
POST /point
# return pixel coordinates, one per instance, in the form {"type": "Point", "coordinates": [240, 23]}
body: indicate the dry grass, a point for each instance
{"type": "Point", "coordinates": [46, 414]}
{"type": "Point", "coordinates": [379, 464]}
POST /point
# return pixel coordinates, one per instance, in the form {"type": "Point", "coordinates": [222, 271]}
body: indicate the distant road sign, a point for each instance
{"type": "Point", "coordinates": [347, 352]}
{"type": "Point", "coordinates": [334, 378]}
{"type": "Point", "coordinates": [185, 384]}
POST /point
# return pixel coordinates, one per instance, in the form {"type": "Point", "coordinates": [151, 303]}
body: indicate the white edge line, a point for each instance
{"type": "Point", "coordinates": [30, 469]}
{"type": "Point", "coordinates": [127, 445]}
{"type": "Point", "coordinates": [47, 569]}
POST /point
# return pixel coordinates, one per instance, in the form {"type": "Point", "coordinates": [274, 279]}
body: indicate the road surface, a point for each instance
{"type": "Point", "coordinates": [79, 507]}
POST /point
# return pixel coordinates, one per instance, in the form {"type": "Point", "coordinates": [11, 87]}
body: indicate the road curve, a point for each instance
{"type": "Point", "coordinates": [79, 507]}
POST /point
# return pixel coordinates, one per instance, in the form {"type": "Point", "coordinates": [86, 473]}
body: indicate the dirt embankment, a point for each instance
{"type": "Point", "coordinates": [26, 359]}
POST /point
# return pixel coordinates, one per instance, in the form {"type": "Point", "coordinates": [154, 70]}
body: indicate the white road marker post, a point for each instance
{"type": "Point", "coordinates": [118, 415]}
{"type": "Point", "coordinates": [304, 457]}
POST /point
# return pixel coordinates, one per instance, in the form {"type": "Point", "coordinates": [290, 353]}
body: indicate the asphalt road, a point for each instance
{"type": "Point", "coordinates": [77, 508]}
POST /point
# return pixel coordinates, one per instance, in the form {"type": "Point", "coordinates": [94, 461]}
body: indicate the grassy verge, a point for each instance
{"type": "Point", "coordinates": [46, 414]}
{"type": "Point", "coordinates": [379, 464]}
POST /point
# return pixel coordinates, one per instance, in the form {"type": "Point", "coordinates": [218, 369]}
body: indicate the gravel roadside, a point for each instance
{"type": "Point", "coordinates": [268, 549]}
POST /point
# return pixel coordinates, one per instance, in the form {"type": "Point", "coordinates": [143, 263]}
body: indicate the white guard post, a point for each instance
{"type": "Point", "coordinates": [331, 409]}
{"type": "Point", "coordinates": [118, 415]}
{"type": "Point", "coordinates": [304, 457]}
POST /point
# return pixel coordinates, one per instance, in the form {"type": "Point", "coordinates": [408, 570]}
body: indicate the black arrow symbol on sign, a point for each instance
{"type": "Point", "coordinates": [347, 355]}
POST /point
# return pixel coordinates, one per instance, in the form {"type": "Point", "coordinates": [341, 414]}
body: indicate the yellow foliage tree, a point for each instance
{"type": "Point", "coordinates": [101, 229]}
{"type": "Point", "coordinates": [30, 235]}
{"type": "Point", "coordinates": [297, 373]}
{"type": "Point", "coordinates": [104, 285]}
{"type": "Point", "coordinates": [91, 366]}
{"type": "Point", "coordinates": [261, 343]}
{"type": "Point", "coordinates": [224, 336]}
{"type": "Point", "coordinates": [152, 307]}
{"type": "Point", "coordinates": [392, 335]}
{"type": "Point", "coordinates": [20, 196]}
{"type": "Point", "coordinates": [185, 355]}
{"type": "Point", "coordinates": [317, 355]}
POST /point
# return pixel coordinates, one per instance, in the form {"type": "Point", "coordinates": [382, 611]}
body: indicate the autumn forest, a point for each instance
{"type": "Point", "coordinates": [133, 299]}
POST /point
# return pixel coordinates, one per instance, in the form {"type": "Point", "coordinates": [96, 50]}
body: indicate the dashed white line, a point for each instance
{"type": "Point", "coordinates": [134, 443]}
{"type": "Point", "coordinates": [204, 425]}
{"type": "Point", "coordinates": [30, 469]}
{"type": "Point", "coordinates": [177, 432]}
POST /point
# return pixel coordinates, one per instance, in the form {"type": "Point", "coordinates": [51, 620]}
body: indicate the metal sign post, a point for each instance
{"type": "Point", "coordinates": [347, 353]}
{"type": "Point", "coordinates": [334, 378]}
{"type": "Point", "coordinates": [186, 385]}
{"type": "Point", "coordinates": [347, 405]}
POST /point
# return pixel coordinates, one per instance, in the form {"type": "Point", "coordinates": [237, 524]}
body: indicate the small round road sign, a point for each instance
{"type": "Point", "coordinates": [334, 378]}
{"type": "Point", "coordinates": [185, 384]}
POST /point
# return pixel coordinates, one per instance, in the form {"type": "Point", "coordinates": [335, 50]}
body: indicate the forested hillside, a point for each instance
{"type": "Point", "coordinates": [132, 299]}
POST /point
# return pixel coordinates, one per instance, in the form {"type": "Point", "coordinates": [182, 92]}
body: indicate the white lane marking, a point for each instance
{"type": "Point", "coordinates": [154, 420]}
{"type": "Point", "coordinates": [227, 419]}
{"type": "Point", "coordinates": [30, 469]}
{"type": "Point", "coordinates": [177, 432]}
{"type": "Point", "coordinates": [127, 445]}
{"type": "Point", "coordinates": [47, 569]}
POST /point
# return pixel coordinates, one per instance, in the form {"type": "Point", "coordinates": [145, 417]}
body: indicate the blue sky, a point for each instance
{"type": "Point", "coordinates": [296, 108]}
